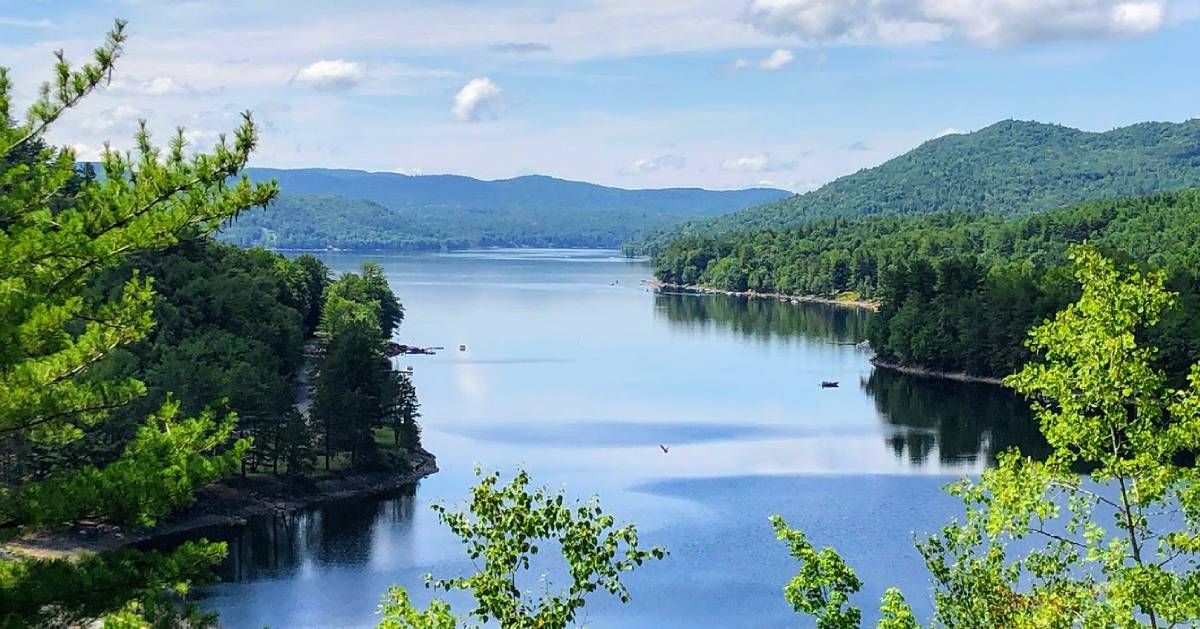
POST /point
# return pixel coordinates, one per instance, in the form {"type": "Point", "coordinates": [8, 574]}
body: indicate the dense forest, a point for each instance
{"type": "Point", "coordinates": [356, 210]}
{"type": "Point", "coordinates": [235, 330]}
{"type": "Point", "coordinates": [141, 361]}
{"type": "Point", "coordinates": [230, 330]}
{"type": "Point", "coordinates": [958, 290]}
{"type": "Point", "coordinates": [1011, 167]}
{"type": "Point", "coordinates": [357, 393]}
{"type": "Point", "coordinates": [321, 222]}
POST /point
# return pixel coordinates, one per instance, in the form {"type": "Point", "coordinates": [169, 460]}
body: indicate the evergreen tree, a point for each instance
{"type": "Point", "coordinates": [316, 280]}
{"type": "Point", "coordinates": [348, 394]}
{"type": "Point", "coordinates": [357, 390]}
{"type": "Point", "coordinates": [57, 231]}
{"type": "Point", "coordinates": [405, 411]}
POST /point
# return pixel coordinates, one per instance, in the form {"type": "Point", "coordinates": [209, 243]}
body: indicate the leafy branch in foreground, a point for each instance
{"type": "Point", "coordinates": [128, 588]}
{"type": "Point", "coordinates": [1117, 547]}
{"type": "Point", "coordinates": [824, 585]}
{"type": "Point", "coordinates": [505, 526]}
{"type": "Point", "coordinates": [131, 488]}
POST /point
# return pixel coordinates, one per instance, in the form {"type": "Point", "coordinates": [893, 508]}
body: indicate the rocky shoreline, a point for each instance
{"type": "Point", "coordinates": [812, 299]}
{"type": "Point", "coordinates": [930, 373]}
{"type": "Point", "coordinates": [228, 503]}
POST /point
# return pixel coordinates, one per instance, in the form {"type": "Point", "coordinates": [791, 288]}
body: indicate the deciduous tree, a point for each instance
{"type": "Point", "coordinates": [1103, 533]}
{"type": "Point", "coordinates": [504, 529]}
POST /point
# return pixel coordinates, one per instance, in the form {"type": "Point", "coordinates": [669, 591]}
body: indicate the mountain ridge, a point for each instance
{"type": "Point", "coordinates": [355, 209]}
{"type": "Point", "coordinates": [1009, 167]}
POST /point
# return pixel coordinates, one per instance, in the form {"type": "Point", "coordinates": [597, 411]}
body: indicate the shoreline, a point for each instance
{"type": "Point", "coordinates": [859, 304]}
{"type": "Point", "coordinates": [410, 251]}
{"type": "Point", "coordinates": [930, 373]}
{"type": "Point", "coordinates": [231, 502]}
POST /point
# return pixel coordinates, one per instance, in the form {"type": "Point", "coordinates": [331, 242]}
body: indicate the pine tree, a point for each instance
{"type": "Point", "coordinates": [58, 229]}
{"type": "Point", "coordinates": [405, 411]}
{"type": "Point", "coordinates": [348, 399]}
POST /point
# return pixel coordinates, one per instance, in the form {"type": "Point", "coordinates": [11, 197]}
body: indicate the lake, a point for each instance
{"type": "Point", "coordinates": [577, 372]}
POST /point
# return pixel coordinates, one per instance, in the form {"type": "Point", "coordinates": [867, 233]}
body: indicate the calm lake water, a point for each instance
{"type": "Point", "coordinates": [575, 371]}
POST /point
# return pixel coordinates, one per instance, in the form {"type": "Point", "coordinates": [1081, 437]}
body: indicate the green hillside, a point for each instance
{"type": "Point", "coordinates": [320, 222]}
{"type": "Point", "coordinates": [958, 291]}
{"type": "Point", "coordinates": [1010, 167]}
{"type": "Point", "coordinates": [357, 210]}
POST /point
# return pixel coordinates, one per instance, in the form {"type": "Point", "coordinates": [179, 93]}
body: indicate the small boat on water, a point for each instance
{"type": "Point", "coordinates": [462, 348]}
{"type": "Point", "coordinates": [827, 384]}
{"type": "Point", "coordinates": [394, 349]}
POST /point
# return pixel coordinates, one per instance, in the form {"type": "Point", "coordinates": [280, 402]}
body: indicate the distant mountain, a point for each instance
{"type": "Point", "coordinates": [353, 209]}
{"type": "Point", "coordinates": [1010, 167]}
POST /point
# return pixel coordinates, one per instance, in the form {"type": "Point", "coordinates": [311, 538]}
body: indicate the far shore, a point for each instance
{"type": "Point", "coordinates": [866, 305]}
{"type": "Point", "coordinates": [749, 294]}
{"type": "Point", "coordinates": [229, 503]}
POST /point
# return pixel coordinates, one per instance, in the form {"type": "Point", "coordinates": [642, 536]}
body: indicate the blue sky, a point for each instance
{"type": "Point", "coordinates": [633, 93]}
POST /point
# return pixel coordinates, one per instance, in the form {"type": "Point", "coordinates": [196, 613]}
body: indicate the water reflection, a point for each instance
{"type": "Point", "coordinates": [576, 373]}
{"type": "Point", "coordinates": [337, 534]}
{"type": "Point", "coordinates": [959, 421]}
{"type": "Point", "coordinates": [764, 319]}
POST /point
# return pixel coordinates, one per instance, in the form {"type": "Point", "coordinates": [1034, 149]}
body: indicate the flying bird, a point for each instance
{"type": "Point", "coordinates": [664, 448]}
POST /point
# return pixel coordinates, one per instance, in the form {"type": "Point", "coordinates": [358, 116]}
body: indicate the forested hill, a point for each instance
{"type": "Point", "coordinates": [352, 209]}
{"type": "Point", "coordinates": [959, 291]}
{"type": "Point", "coordinates": [1010, 167]}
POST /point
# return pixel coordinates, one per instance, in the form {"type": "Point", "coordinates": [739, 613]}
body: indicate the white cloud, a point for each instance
{"type": "Point", "coordinates": [797, 186]}
{"type": "Point", "coordinates": [777, 60]}
{"type": "Point", "coordinates": [474, 100]}
{"type": "Point", "coordinates": [774, 61]}
{"type": "Point", "coordinates": [330, 74]}
{"type": "Point", "coordinates": [807, 185]}
{"type": "Point", "coordinates": [948, 131]}
{"type": "Point", "coordinates": [1139, 17]}
{"type": "Point", "coordinates": [200, 139]}
{"type": "Point", "coordinates": [120, 117]}
{"type": "Point", "coordinates": [982, 22]}
{"type": "Point", "coordinates": [87, 152]}
{"type": "Point", "coordinates": [761, 163]}
{"type": "Point", "coordinates": [655, 164]}
{"type": "Point", "coordinates": [157, 86]}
